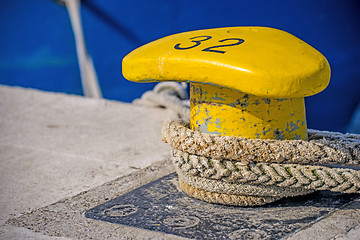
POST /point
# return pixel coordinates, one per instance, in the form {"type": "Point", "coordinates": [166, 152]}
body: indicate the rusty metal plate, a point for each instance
{"type": "Point", "coordinates": [161, 206]}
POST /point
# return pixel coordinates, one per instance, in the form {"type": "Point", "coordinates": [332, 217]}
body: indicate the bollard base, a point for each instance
{"type": "Point", "coordinates": [162, 206]}
{"type": "Point", "coordinates": [225, 199]}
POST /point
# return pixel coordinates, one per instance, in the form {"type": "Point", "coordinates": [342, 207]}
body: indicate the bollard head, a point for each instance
{"type": "Point", "coordinates": [246, 81]}
{"type": "Point", "coordinates": [261, 61]}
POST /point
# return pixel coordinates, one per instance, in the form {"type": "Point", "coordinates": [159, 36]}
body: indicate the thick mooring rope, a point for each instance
{"type": "Point", "coordinates": [322, 147]}
{"type": "Point", "coordinates": [170, 95]}
{"type": "Point", "coordinates": [282, 175]}
{"type": "Point", "coordinates": [220, 186]}
{"type": "Point", "coordinates": [247, 172]}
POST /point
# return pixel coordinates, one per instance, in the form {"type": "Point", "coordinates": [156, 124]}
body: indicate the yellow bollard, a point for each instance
{"type": "Point", "coordinates": [245, 81]}
{"type": "Point", "coordinates": [228, 112]}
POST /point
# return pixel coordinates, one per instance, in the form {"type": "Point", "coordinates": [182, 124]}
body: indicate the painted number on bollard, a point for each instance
{"type": "Point", "coordinates": [198, 39]}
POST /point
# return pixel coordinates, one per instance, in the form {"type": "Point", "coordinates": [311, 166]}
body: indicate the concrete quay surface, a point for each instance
{"type": "Point", "coordinates": [62, 155]}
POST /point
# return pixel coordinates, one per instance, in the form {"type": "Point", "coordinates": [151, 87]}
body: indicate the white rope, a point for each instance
{"type": "Point", "coordinates": [87, 71]}
{"type": "Point", "coordinates": [169, 95]}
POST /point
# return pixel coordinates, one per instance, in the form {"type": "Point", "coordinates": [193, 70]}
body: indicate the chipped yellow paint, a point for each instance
{"type": "Point", "coordinates": [227, 112]}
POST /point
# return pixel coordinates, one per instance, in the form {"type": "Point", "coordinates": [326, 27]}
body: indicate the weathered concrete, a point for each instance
{"type": "Point", "coordinates": [66, 217]}
{"type": "Point", "coordinates": [341, 224]}
{"type": "Point", "coordinates": [62, 155]}
{"type": "Point", "coordinates": [54, 146]}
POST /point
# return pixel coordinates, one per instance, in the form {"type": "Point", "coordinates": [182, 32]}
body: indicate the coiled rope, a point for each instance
{"type": "Point", "coordinates": [247, 172]}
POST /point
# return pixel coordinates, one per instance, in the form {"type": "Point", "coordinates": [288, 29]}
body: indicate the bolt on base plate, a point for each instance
{"type": "Point", "coordinates": [161, 206]}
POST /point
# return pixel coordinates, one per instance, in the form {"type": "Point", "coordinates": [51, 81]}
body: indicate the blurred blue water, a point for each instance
{"type": "Point", "coordinates": [37, 47]}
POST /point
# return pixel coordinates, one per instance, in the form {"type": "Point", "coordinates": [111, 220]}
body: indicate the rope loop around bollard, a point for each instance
{"type": "Point", "coordinates": [251, 172]}
{"type": "Point", "coordinates": [321, 148]}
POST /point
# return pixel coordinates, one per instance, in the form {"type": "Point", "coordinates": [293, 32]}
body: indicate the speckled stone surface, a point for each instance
{"type": "Point", "coordinates": [148, 204]}
{"type": "Point", "coordinates": [161, 206]}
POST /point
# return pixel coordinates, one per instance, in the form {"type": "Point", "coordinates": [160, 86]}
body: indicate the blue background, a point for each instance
{"type": "Point", "coordinates": [37, 47]}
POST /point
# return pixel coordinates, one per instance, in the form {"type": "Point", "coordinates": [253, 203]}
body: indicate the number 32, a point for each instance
{"type": "Point", "coordinates": [198, 39]}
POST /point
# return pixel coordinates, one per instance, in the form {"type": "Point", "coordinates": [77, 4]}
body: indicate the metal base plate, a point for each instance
{"type": "Point", "coordinates": [161, 206]}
